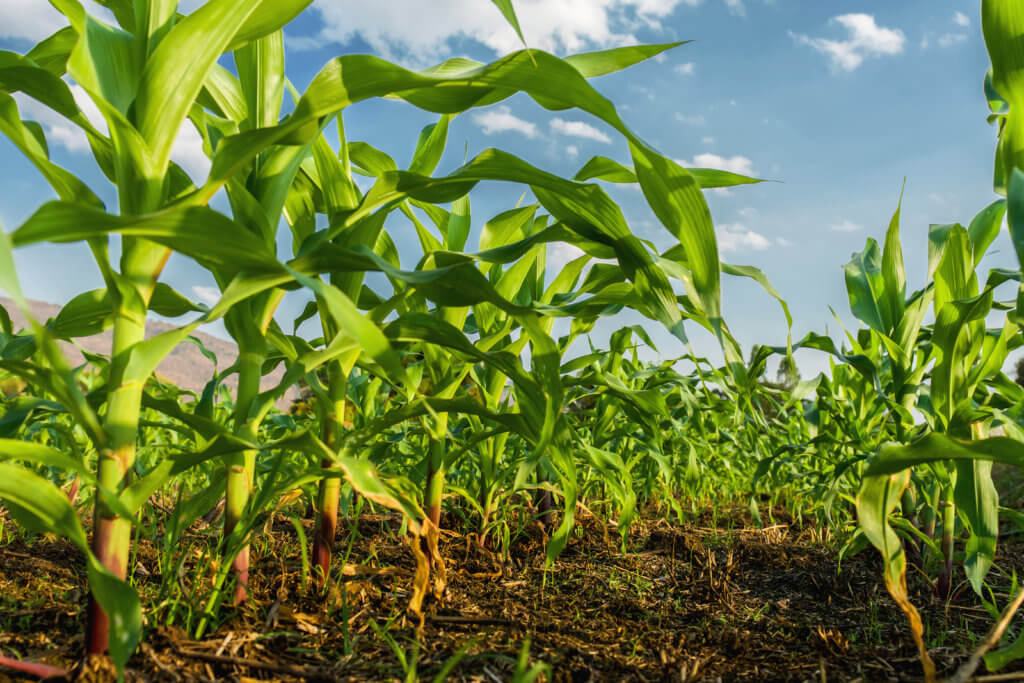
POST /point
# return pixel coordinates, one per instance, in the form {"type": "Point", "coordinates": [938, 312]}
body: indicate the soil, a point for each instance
{"type": "Point", "coordinates": [698, 602]}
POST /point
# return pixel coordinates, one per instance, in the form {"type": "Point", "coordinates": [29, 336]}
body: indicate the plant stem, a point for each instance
{"type": "Point", "coordinates": [545, 507]}
{"type": "Point", "coordinates": [242, 465]}
{"type": "Point", "coordinates": [435, 481]}
{"type": "Point", "coordinates": [330, 487]}
{"type": "Point", "coordinates": [111, 534]}
{"type": "Point", "coordinates": [945, 583]}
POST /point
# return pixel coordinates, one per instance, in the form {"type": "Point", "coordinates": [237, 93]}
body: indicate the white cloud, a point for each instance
{"type": "Point", "coordinates": [865, 39]}
{"type": "Point", "coordinates": [572, 151]}
{"type": "Point", "coordinates": [736, 7]}
{"type": "Point", "coordinates": [686, 69]}
{"type": "Point", "coordinates": [32, 20]}
{"type": "Point", "coordinates": [951, 39]}
{"type": "Point", "coordinates": [188, 153]}
{"type": "Point", "coordinates": [304, 43]}
{"type": "Point", "coordinates": [561, 253]}
{"type": "Point", "coordinates": [783, 242]}
{"type": "Point", "coordinates": [579, 129]}
{"type": "Point", "coordinates": [501, 120]}
{"type": "Point", "coordinates": [417, 31]}
{"type": "Point", "coordinates": [60, 131]}
{"type": "Point", "coordinates": [208, 295]}
{"type": "Point", "coordinates": [695, 120]}
{"type": "Point", "coordinates": [845, 226]}
{"type": "Point", "coordinates": [734, 236]}
{"type": "Point", "coordinates": [961, 19]}
{"type": "Point", "coordinates": [748, 212]}
{"type": "Point", "coordinates": [648, 92]}
{"type": "Point", "coordinates": [735, 164]}
{"type": "Point", "coordinates": [708, 140]}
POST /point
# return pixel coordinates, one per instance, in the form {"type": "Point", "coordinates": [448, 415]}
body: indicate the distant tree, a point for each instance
{"type": "Point", "coordinates": [788, 374]}
{"type": "Point", "coordinates": [758, 372]}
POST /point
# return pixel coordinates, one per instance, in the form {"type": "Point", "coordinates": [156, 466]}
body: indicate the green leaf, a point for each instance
{"type": "Point", "coordinates": [43, 455]}
{"type": "Point", "coordinates": [603, 168]}
{"type": "Point", "coordinates": [760, 278]}
{"type": "Point", "coordinates": [270, 16]}
{"type": "Point", "coordinates": [145, 356]}
{"type": "Point", "coordinates": [1015, 212]}
{"type": "Point", "coordinates": [985, 227]}
{"type": "Point", "coordinates": [977, 502]}
{"type": "Point", "coordinates": [209, 237]}
{"type": "Point", "coordinates": [997, 659]}
{"type": "Point", "coordinates": [87, 314]}
{"type": "Point", "coordinates": [606, 169]}
{"type": "Point", "coordinates": [865, 286]}
{"type": "Point", "coordinates": [355, 324]}
{"type": "Point", "coordinates": [430, 147]}
{"type": "Point", "coordinates": [123, 608]}
{"type": "Point", "coordinates": [260, 66]}
{"type": "Point", "coordinates": [38, 502]}
{"type": "Point", "coordinates": [507, 227]}
{"type": "Point", "coordinates": [92, 312]}
{"type": "Point", "coordinates": [369, 160]}
{"type": "Point", "coordinates": [893, 274]}
{"type": "Point", "coordinates": [601, 62]}
{"type": "Point", "coordinates": [21, 74]}
{"type": "Point", "coordinates": [878, 497]}
{"type": "Point", "coordinates": [52, 53]}
{"type": "Point", "coordinates": [935, 447]}
{"type": "Point", "coordinates": [458, 225]}
{"type": "Point", "coordinates": [107, 64]}
{"type": "Point", "coordinates": [167, 302]}
{"type": "Point", "coordinates": [174, 74]}
{"type": "Point", "coordinates": [123, 11]}
{"type": "Point", "coordinates": [955, 278]}
{"type": "Point", "coordinates": [675, 197]}
{"type": "Point", "coordinates": [6, 326]}
{"type": "Point", "coordinates": [953, 345]}
{"type": "Point", "coordinates": [1002, 24]}
{"type": "Point", "coordinates": [222, 94]}
{"type": "Point", "coordinates": [509, 12]}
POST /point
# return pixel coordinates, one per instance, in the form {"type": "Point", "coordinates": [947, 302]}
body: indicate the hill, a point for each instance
{"type": "Point", "coordinates": [185, 366]}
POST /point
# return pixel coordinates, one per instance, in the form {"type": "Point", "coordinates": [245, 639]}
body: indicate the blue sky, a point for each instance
{"type": "Point", "coordinates": [839, 101]}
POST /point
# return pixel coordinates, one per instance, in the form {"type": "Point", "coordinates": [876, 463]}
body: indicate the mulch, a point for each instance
{"type": "Point", "coordinates": [695, 602]}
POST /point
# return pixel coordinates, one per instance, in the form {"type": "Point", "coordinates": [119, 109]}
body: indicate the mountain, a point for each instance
{"type": "Point", "coordinates": [185, 366]}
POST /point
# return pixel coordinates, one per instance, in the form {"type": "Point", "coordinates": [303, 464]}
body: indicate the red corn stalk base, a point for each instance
{"type": "Point", "coordinates": [41, 671]}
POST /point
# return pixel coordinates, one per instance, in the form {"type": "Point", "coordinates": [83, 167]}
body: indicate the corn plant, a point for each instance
{"type": "Point", "coordinates": [459, 357]}
{"type": "Point", "coordinates": [966, 355]}
{"type": "Point", "coordinates": [136, 76]}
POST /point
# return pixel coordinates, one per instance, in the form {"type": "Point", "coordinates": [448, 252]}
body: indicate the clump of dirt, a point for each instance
{"type": "Point", "coordinates": [684, 603]}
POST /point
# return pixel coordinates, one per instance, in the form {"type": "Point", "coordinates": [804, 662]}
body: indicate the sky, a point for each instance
{"type": "Point", "coordinates": [836, 102]}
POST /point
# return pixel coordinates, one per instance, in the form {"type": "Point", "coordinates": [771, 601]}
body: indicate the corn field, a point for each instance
{"type": "Point", "coordinates": [454, 493]}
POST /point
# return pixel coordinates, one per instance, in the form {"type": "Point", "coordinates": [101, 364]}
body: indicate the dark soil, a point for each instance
{"type": "Point", "coordinates": [690, 603]}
